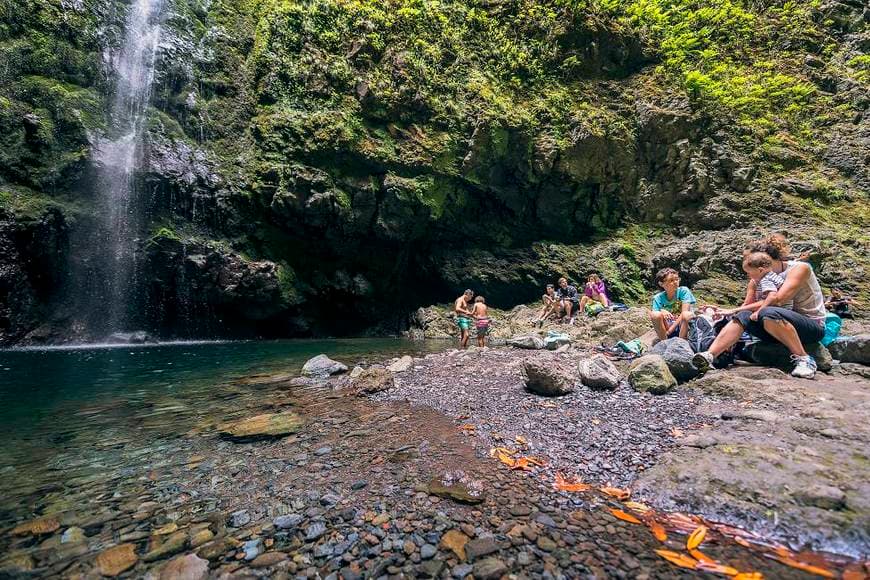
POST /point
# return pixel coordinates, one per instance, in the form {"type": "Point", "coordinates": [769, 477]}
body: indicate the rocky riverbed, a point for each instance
{"type": "Point", "coordinates": [386, 472]}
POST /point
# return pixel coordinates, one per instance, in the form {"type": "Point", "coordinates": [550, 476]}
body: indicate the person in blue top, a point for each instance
{"type": "Point", "coordinates": [671, 308]}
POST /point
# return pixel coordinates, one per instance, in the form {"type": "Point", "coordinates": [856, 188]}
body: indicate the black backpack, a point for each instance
{"type": "Point", "coordinates": [702, 333]}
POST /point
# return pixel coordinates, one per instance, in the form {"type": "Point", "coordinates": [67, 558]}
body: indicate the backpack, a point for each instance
{"type": "Point", "coordinates": [594, 308]}
{"type": "Point", "coordinates": [702, 333]}
{"type": "Point", "coordinates": [832, 328]}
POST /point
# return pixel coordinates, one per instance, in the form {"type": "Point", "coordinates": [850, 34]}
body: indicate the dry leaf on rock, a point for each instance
{"type": "Point", "coordinates": [573, 484]}
{"type": "Point", "coordinates": [681, 560]}
{"type": "Point", "coordinates": [624, 516]}
{"type": "Point", "coordinates": [696, 537]}
{"type": "Point", "coordinates": [620, 494]}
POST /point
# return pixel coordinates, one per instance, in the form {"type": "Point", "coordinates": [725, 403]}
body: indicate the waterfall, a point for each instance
{"type": "Point", "coordinates": [119, 157]}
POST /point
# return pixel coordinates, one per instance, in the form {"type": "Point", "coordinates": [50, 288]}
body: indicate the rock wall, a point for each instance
{"type": "Point", "coordinates": [327, 168]}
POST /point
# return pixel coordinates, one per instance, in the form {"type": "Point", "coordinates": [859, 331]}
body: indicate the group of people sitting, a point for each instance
{"type": "Point", "coordinates": [565, 303]}
{"type": "Point", "coordinates": [783, 303]}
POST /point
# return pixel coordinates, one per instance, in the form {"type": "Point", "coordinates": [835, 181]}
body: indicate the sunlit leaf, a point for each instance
{"type": "Point", "coordinates": [717, 568]}
{"type": "Point", "coordinates": [563, 484]}
{"type": "Point", "coordinates": [702, 557]}
{"type": "Point", "coordinates": [521, 440]}
{"type": "Point", "coordinates": [658, 531]}
{"type": "Point", "coordinates": [678, 559]}
{"type": "Point", "coordinates": [467, 427]}
{"type": "Point", "coordinates": [696, 537]}
{"type": "Point", "coordinates": [824, 572]}
{"type": "Point", "coordinates": [624, 516]}
{"type": "Point", "coordinates": [637, 506]}
{"type": "Point", "coordinates": [749, 576]}
{"type": "Point", "coordinates": [621, 494]}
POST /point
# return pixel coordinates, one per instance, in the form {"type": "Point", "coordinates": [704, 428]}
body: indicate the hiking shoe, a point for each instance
{"type": "Point", "coordinates": [804, 366]}
{"type": "Point", "coordinates": [703, 361]}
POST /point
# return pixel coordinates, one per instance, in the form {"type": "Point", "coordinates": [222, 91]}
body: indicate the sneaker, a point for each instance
{"type": "Point", "coordinates": [703, 361]}
{"type": "Point", "coordinates": [571, 321]}
{"type": "Point", "coordinates": [804, 366]}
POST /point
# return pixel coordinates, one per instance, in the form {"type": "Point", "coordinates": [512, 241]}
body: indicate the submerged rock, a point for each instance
{"type": "Point", "coordinates": [188, 567]}
{"type": "Point", "coordinates": [547, 379]}
{"type": "Point", "coordinates": [678, 354]}
{"type": "Point", "coordinates": [137, 337]}
{"type": "Point", "coordinates": [116, 560]}
{"type": "Point", "coordinates": [852, 349]}
{"type": "Point", "coordinates": [265, 426]}
{"type": "Point", "coordinates": [599, 372]}
{"type": "Point", "coordinates": [322, 366]}
{"type": "Point", "coordinates": [650, 373]}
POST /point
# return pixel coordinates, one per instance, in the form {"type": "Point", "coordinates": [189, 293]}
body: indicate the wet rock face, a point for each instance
{"type": "Point", "coordinates": [528, 341]}
{"type": "Point", "coordinates": [650, 373]}
{"type": "Point", "coordinates": [677, 353]}
{"type": "Point", "coordinates": [545, 377]}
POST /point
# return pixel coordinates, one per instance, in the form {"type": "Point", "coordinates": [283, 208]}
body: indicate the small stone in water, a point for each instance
{"type": "Point", "coordinates": [240, 518]}
{"type": "Point", "coordinates": [287, 522]}
{"type": "Point", "coordinates": [314, 531]}
{"type": "Point", "coordinates": [323, 451]}
{"type": "Point", "coordinates": [358, 484]}
{"type": "Point", "coordinates": [427, 551]}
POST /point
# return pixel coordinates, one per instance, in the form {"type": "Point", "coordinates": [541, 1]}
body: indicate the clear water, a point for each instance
{"type": "Point", "coordinates": [72, 416]}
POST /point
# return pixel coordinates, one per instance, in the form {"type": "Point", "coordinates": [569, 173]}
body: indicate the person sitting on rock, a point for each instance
{"type": "Point", "coordinates": [594, 291]}
{"type": "Point", "coordinates": [672, 308]}
{"type": "Point", "coordinates": [481, 320]}
{"type": "Point", "coordinates": [794, 328]}
{"type": "Point", "coordinates": [839, 304]}
{"type": "Point", "coordinates": [464, 317]}
{"type": "Point", "coordinates": [550, 306]}
{"type": "Point", "coordinates": [762, 288]}
{"type": "Point", "coordinates": [569, 299]}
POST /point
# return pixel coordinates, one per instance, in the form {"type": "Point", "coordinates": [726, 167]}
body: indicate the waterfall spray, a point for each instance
{"type": "Point", "coordinates": [119, 157]}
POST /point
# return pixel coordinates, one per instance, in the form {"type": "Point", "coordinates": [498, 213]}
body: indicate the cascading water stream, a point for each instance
{"type": "Point", "coordinates": [119, 158]}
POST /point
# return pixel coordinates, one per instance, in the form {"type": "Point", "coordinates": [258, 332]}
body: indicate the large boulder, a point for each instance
{"type": "Point", "coordinates": [599, 373]}
{"type": "Point", "coordinates": [545, 377]}
{"type": "Point", "coordinates": [401, 365]}
{"type": "Point", "coordinates": [650, 373]}
{"type": "Point", "coordinates": [527, 341]}
{"type": "Point", "coordinates": [322, 366]}
{"type": "Point", "coordinates": [774, 354]}
{"type": "Point", "coordinates": [373, 380]}
{"type": "Point", "coordinates": [678, 354]}
{"type": "Point", "coordinates": [854, 349]}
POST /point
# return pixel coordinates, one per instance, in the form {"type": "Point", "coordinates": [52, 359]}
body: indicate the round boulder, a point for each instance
{"type": "Point", "coordinates": [678, 354]}
{"type": "Point", "coordinates": [547, 378]}
{"type": "Point", "coordinates": [373, 380]}
{"type": "Point", "coordinates": [599, 373]}
{"type": "Point", "coordinates": [651, 374]}
{"type": "Point", "coordinates": [322, 366]}
{"type": "Point", "coordinates": [854, 349]}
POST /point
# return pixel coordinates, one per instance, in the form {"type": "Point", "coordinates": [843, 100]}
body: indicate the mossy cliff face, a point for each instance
{"type": "Point", "coordinates": [308, 159]}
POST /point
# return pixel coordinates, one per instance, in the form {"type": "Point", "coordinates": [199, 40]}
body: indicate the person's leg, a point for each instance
{"type": "Point", "coordinates": [660, 324]}
{"type": "Point", "coordinates": [685, 319]}
{"type": "Point", "coordinates": [727, 337]}
{"type": "Point", "coordinates": [785, 333]}
{"type": "Point", "coordinates": [568, 306]}
{"type": "Point", "coordinates": [583, 302]}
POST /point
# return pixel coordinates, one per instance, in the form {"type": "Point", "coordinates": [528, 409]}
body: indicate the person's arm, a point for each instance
{"type": "Point", "coordinates": [769, 300]}
{"type": "Point", "coordinates": [797, 277]}
{"type": "Point", "coordinates": [457, 307]}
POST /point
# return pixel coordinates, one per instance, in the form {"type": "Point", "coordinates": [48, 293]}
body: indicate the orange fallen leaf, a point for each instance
{"type": "Point", "coordinates": [521, 440]}
{"type": "Point", "coordinates": [702, 557]}
{"type": "Point", "coordinates": [563, 484]}
{"type": "Point", "coordinates": [791, 562]}
{"type": "Point", "coordinates": [717, 568]}
{"type": "Point", "coordinates": [749, 576]}
{"type": "Point", "coordinates": [504, 455]}
{"type": "Point", "coordinates": [620, 494]}
{"type": "Point", "coordinates": [742, 542]}
{"type": "Point", "coordinates": [526, 463]}
{"type": "Point", "coordinates": [675, 432]}
{"type": "Point", "coordinates": [696, 537]}
{"type": "Point", "coordinates": [637, 506]}
{"type": "Point", "coordinates": [678, 559]}
{"type": "Point", "coordinates": [467, 427]}
{"type": "Point", "coordinates": [658, 531]}
{"type": "Point", "coordinates": [853, 572]}
{"type": "Point", "coordinates": [624, 516]}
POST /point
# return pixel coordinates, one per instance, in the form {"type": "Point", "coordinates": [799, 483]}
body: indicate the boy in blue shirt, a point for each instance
{"type": "Point", "coordinates": [671, 308]}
